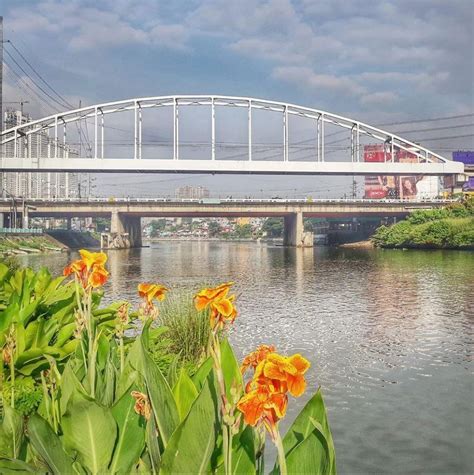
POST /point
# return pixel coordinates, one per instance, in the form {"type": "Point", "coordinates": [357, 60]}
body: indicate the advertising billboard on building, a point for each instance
{"type": "Point", "coordinates": [464, 157]}
{"type": "Point", "coordinates": [397, 187]}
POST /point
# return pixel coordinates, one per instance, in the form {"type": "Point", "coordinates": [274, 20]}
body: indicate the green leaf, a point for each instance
{"type": "Point", "coordinates": [11, 433]}
{"type": "Point", "coordinates": [202, 373]}
{"type": "Point", "coordinates": [184, 393]}
{"type": "Point", "coordinates": [131, 435]}
{"type": "Point", "coordinates": [14, 466]}
{"type": "Point", "coordinates": [190, 447]}
{"type": "Point", "coordinates": [243, 452]}
{"type": "Point", "coordinates": [231, 370]}
{"type": "Point", "coordinates": [48, 445]}
{"type": "Point", "coordinates": [161, 398]}
{"type": "Point", "coordinates": [90, 430]}
{"type": "Point", "coordinates": [310, 436]}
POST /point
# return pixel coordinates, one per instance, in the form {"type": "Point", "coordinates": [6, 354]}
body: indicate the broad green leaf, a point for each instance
{"type": "Point", "coordinates": [243, 452]}
{"type": "Point", "coordinates": [90, 430]}
{"type": "Point", "coordinates": [161, 398]}
{"type": "Point", "coordinates": [184, 393]}
{"type": "Point", "coordinates": [15, 466]}
{"type": "Point", "coordinates": [202, 373]}
{"type": "Point", "coordinates": [310, 456]}
{"type": "Point", "coordinates": [153, 445]}
{"type": "Point", "coordinates": [11, 433]}
{"type": "Point", "coordinates": [311, 423]}
{"type": "Point", "coordinates": [190, 447]}
{"type": "Point", "coordinates": [48, 445]}
{"type": "Point", "coordinates": [231, 370]}
{"type": "Point", "coordinates": [131, 435]}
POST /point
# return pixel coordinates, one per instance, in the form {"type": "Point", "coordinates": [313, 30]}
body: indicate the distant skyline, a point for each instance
{"type": "Point", "coordinates": [373, 60]}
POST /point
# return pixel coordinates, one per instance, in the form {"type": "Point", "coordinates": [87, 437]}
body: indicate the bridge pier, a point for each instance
{"type": "Point", "coordinates": [294, 233]}
{"type": "Point", "coordinates": [125, 231]}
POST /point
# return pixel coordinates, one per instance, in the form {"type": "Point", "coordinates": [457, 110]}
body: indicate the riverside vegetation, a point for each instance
{"type": "Point", "coordinates": [152, 389]}
{"type": "Point", "coordinates": [447, 228]}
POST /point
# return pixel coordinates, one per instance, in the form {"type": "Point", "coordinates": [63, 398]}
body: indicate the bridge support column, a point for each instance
{"type": "Point", "coordinates": [25, 218]}
{"type": "Point", "coordinates": [294, 233]}
{"type": "Point", "coordinates": [125, 231]}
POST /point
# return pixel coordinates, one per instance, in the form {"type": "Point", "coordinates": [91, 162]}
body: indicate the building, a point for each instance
{"type": "Point", "coordinates": [191, 192]}
{"type": "Point", "coordinates": [36, 185]}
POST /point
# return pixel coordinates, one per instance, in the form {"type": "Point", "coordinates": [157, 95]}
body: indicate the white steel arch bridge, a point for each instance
{"type": "Point", "coordinates": [89, 140]}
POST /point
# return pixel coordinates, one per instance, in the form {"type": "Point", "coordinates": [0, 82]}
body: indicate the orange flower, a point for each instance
{"type": "Point", "coordinates": [204, 298]}
{"type": "Point", "coordinates": [253, 359]}
{"type": "Point", "coordinates": [152, 291]}
{"type": "Point", "coordinates": [222, 308]}
{"type": "Point", "coordinates": [262, 405]}
{"type": "Point", "coordinates": [89, 270]}
{"type": "Point", "coordinates": [93, 259]}
{"type": "Point", "coordinates": [98, 277]}
{"type": "Point", "coordinates": [288, 371]}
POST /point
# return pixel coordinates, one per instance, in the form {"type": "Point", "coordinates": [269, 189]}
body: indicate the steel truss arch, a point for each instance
{"type": "Point", "coordinates": [19, 135]}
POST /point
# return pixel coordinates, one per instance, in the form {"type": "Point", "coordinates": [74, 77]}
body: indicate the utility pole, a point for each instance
{"type": "Point", "coordinates": [354, 188]}
{"type": "Point", "coordinates": [1, 73]}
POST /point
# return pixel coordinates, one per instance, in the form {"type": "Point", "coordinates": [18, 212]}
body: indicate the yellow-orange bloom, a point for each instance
{"type": "Point", "coordinates": [221, 305]}
{"type": "Point", "coordinates": [152, 292]}
{"type": "Point", "coordinates": [98, 277]}
{"type": "Point", "coordinates": [263, 405]}
{"type": "Point", "coordinates": [204, 298]}
{"type": "Point", "coordinates": [89, 270]}
{"type": "Point", "coordinates": [253, 359]}
{"type": "Point", "coordinates": [288, 371]}
{"type": "Point", "coordinates": [93, 259]}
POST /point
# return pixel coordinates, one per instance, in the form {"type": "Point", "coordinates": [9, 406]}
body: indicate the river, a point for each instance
{"type": "Point", "coordinates": [389, 334]}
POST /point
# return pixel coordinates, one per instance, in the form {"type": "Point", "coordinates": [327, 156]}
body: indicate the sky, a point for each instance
{"type": "Point", "coordinates": [372, 60]}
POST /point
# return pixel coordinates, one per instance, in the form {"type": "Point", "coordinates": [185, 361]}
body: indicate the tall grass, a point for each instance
{"type": "Point", "coordinates": [185, 342]}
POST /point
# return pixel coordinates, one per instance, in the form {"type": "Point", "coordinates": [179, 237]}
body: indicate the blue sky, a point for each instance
{"type": "Point", "coordinates": [374, 60]}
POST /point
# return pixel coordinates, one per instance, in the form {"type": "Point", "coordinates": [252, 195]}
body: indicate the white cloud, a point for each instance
{"type": "Point", "coordinates": [307, 78]}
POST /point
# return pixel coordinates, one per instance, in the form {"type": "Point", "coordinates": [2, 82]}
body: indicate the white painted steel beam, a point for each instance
{"type": "Point", "coordinates": [109, 165]}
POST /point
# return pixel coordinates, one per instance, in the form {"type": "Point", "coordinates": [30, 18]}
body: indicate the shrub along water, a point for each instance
{"type": "Point", "coordinates": [107, 407]}
{"type": "Point", "coordinates": [448, 228]}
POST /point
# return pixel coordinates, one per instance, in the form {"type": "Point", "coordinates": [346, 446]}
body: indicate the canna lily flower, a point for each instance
{"type": "Point", "coordinates": [288, 371]}
{"type": "Point", "coordinates": [89, 270]}
{"type": "Point", "coordinates": [203, 299]}
{"type": "Point", "coordinates": [221, 305]}
{"type": "Point", "coordinates": [253, 359]}
{"type": "Point", "coordinates": [262, 405]}
{"type": "Point", "coordinates": [152, 292]}
{"type": "Point", "coordinates": [98, 277]}
{"type": "Point", "coordinates": [93, 259]}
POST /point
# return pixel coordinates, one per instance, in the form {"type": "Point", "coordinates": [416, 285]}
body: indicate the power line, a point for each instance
{"type": "Point", "coordinates": [32, 80]}
{"type": "Point", "coordinates": [38, 74]}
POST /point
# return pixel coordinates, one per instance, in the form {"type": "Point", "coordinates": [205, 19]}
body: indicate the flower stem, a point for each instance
{"type": "Point", "coordinates": [281, 451]}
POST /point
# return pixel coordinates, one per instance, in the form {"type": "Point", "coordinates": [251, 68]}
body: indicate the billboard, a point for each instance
{"type": "Point", "coordinates": [397, 187]}
{"type": "Point", "coordinates": [464, 157]}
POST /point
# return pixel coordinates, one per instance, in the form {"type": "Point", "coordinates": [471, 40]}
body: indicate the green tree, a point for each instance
{"type": "Point", "coordinates": [273, 227]}
{"type": "Point", "coordinates": [214, 228]}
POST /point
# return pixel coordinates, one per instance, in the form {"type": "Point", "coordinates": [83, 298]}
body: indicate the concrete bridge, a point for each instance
{"type": "Point", "coordinates": [126, 213]}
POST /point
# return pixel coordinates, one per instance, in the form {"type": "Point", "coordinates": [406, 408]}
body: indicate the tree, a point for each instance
{"type": "Point", "coordinates": [273, 227]}
{"type": "Point", "coordinates": [214, 228]}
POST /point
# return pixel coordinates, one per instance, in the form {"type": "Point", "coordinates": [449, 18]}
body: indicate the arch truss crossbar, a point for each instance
{"type": "Point", "coordinates": [21, 144]}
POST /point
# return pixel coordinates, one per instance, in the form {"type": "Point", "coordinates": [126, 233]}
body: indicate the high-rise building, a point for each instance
{"type": "Point", "coordinates": [191, 192]}
{"type": "Point", "coordinates": [36, 185]}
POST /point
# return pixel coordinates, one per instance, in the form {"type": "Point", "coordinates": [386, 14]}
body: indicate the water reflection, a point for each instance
{"type": "Point", "coordinates": [389, 333]}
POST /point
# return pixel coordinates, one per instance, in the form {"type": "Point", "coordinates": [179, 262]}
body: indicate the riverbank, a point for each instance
{"type": "Point", "coordinates": [25, 244]}
{"type": "Point", "coordinates": [448, 228]}
{"type": "Point", "coordinates": [358, 245]}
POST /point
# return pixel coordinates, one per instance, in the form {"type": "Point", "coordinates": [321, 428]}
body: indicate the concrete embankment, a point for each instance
{"type": "Point", "coordinates": [358, 245]}
{"type": "Point", "coordinates": [74, 239]}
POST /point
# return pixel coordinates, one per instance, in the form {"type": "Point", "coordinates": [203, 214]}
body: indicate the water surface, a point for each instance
{"type": "Point", "coordinates": [389, 335]}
